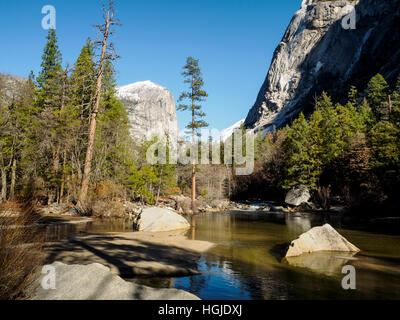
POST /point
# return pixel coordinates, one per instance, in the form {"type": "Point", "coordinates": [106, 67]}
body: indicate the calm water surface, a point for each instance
{"type": "Point", "coordinates": [247, 263]}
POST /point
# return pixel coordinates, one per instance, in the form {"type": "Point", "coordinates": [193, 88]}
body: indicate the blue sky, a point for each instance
{"type": "Point", "coordinates": [234, 40]}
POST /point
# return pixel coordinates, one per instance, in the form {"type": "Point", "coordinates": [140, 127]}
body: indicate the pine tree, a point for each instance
{"type": "Point", "coordinates": [329, 128]}
{"type": "Point", "coordinates": [83, 79]}
{"type": "Point", "coordinates": [377, 93]}
{"type": "Point", "coordinates": [106, 30]}
{"type": "Point", "coordinates": [195, 95]}
{"type": "Point", "coordinates": [385, 140]}
{"type": "Point", "coordinates": [50, 77]}
{"type": "Point", "coordinates": [365, 116]}
{"type": "Point", "coordinates": [351, 125]}
{"type": "Point", "coordinates": [353, 95]}
{"type": "Point", "coordinates": [296, 148]}
{"type": "Point", "coordinates": [395, 107]}
{"type": "Point", "coordinates": [321, 149]}
{"type": "Point", "coordinates": [45, 123]}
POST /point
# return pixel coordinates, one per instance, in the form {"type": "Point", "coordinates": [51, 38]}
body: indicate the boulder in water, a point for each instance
{"type": "Point", "coordinates": [323, 238]}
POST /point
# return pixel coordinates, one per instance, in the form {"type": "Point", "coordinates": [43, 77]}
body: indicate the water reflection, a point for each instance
{"type": "Point", "coordinates": [244, 264]}
{"type": "Point", "coordinates": [247, 263]}
{"type": "Point", "coordinates": [61, 231]}
{"type": "Point", "coordinates": [298, 224]}
{"type": "Point", "coordinates": [328, 263]}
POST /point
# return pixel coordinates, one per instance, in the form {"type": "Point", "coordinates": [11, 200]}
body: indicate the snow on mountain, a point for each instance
{"type": "Point", "coordinates": [150, 108]}
{"type": "Point", "coordinates": [225, 134]}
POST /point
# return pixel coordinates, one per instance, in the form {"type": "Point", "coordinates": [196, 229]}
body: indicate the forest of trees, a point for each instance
{"type": "Point", "coordinates": [44, 133]}
{"type": "Point", "coordinates": [346, 153]}
{"type": "Point", "coordinates": [44, 136]}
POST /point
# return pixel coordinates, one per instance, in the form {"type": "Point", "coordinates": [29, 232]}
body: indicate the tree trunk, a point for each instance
{"type": "Point", "coordinates": [93, 122]}
{"type": "Point", "coordinates": [56, 161]}
{"type": "Point", "coordinates": [63, 177]}
{"type": "Point", "coordinates": [13, 179]}
{"type": "Point", "coordinates": [193, 159]}
{"type": "Point", "coordinates": [159, 187]}
{"type": "Point", "coordinates": [3, 196]}
{"type": "Point", "coordinates": [193, 187]}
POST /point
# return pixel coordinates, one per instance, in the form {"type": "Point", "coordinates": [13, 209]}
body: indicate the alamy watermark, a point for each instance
{"type": "Point", "coordinates": [349, 21]}
{"type": "Point", "coordinates": [349, 281]}
{"type": "Point", "coordinates": [49, 278]}
{"type": "Point", "coordinates": [49, 20]}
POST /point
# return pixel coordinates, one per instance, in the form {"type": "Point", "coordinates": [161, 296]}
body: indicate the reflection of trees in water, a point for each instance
{"type": "Point", "coordinates": [297, 224]}
{"type": "Point", "coordinates": [197, 283]}
{"type": "Point", "coordinates": [60, 231]}
{"type": "Point", "coordinates": [243, 256]}
{"type": "Point", "coordinates": [154, 282]}
{"type": "Point", "coordinates": [214, 227]}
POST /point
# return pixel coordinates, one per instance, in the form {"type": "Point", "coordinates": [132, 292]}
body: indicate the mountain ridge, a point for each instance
{"type": "Point", "coordinates": [316, 53]}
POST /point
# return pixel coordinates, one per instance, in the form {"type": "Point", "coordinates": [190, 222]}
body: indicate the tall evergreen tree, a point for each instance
{"type": "Point", "coordinates": [298, 163]}
{"type": "Point", "coordinates": [193, 77]}
{"type": "Point", "coordinates": [83, 79]}
{"type": "Point", "coordinates": [377, 93]}
{"type": "Point", "coordinates": [50, 77]}
{"type": "Point", "coordinates": [328, 127]}
{"type": "Point", "coordinates": [353, 95]}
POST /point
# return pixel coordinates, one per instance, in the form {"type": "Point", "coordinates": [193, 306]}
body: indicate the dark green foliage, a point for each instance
{"type": "Point", "coordinates": [377, 94]}
{"type": "Point", "coordinates": [49, 80]}
{"type": "Point", "coordinates": [44, 135]}
{"type": "Point", "coordinates": [83, 79]}
{"type": "Point", "coordinates": [351, 150]}
{"type": "Point", "coordinates": [195, 95]}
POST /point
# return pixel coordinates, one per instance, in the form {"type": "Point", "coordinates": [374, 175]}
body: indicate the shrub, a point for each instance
{"type": "Point", "coordinates": [21, 250]}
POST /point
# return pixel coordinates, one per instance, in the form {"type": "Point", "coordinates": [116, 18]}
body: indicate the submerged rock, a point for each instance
{"type": "Point", "coordinates": [159, 220]}
{"type": "Point", "coordinates": [323, 238]}
{"type": "Point", "coordinates": [298, 196]}
{"type": "Point", "coordinates": [96, 282]}
{"type": "Point", "coordinates": [328, 263]}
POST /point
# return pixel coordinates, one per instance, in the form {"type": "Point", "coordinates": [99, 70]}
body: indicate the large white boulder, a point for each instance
{"type": "Point", "coordinates": [298, 196]}
{"type": "Point", "coordinates": [96, 282]}
{"type": "Point", "coordinates": [323, 238]}
{"type": "Point", "coordinates": [160, 220]}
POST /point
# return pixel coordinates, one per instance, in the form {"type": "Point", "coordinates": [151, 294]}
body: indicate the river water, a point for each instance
{"type": "Point", "coordinates": [247, 261]}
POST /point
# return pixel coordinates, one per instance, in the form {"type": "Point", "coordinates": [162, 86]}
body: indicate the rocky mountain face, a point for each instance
{"type": "Point", "coordinates": [10, 87]}
{"type": "Point", "coordinates": [317, 53]}
{"type": "Point", "coordinates": [150, 108]}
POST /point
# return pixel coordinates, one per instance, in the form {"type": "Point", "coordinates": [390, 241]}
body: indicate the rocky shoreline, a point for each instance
{"type": "Point", "coordinates": [94, 267]}
{"type": "Point", "coordinates": [182, 206]}
{"type": "Point", "coordinates": [96, 282]}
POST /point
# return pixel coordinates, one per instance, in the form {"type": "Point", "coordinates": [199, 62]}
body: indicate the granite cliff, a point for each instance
{"type": "Point", "coordinates": [150, 108]}
{"type": "Point", "coordinates": [321, 51]}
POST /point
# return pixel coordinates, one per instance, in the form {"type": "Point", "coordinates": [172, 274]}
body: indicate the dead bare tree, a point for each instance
{"type": "Point", "coordinates": [107, 54]}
